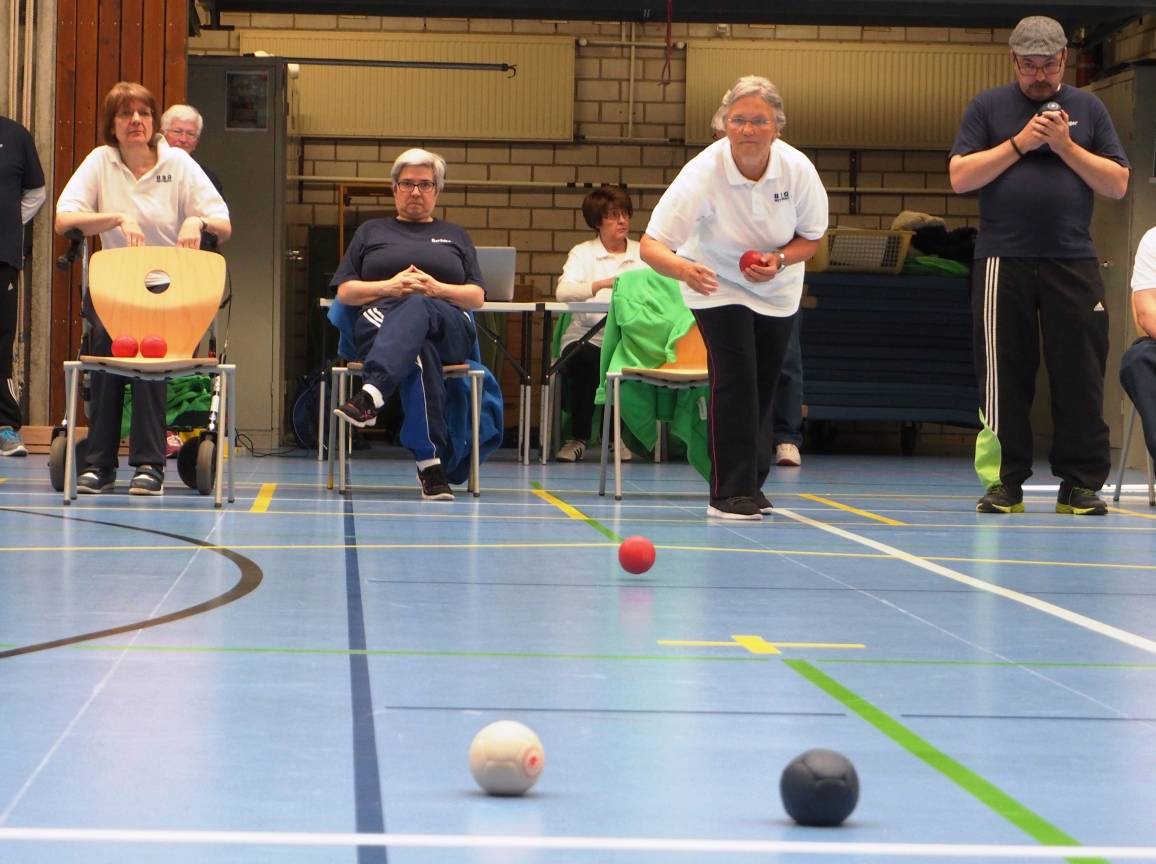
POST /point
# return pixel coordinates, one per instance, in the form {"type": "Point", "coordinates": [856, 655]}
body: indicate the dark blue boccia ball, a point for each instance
{"type": "Point", "coordinates": [819, 788]}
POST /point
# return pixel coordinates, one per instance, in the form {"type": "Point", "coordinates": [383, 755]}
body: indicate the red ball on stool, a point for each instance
{"type": "Point", "coordinates": [124, 346]}
{"type": "Point", "coordinates": [636, 554]}
{"type": "Point", "coordinates": [154, 346]}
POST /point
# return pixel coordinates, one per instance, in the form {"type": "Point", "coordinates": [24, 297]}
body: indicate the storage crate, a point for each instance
{"type": "Point", "coordinates": [861, 250]}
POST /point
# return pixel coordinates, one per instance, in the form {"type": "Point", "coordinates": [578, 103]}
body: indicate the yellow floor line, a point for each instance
{"type": "Point", "coordinates": [572, 512]}
{"type": "Point", "coordinates": [849, 509]}
{"type": "Point", "coordinates": [261, 503]}
{"type": "Point", "coordinates": [1138, 514]}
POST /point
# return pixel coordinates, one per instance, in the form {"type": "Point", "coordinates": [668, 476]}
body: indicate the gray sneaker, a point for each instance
{"type": "Point", "coordinates": [11, 444]}
{"type": "Point", "coordinates": [94, 481]}
{"type": "Point", "coordinates": [148, 480]}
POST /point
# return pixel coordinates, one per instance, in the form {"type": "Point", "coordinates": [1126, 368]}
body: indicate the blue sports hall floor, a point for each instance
{"type": "Point", "coordinates": [297, 677]}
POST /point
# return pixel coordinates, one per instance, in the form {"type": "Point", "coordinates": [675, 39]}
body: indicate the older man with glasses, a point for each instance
{"type": "Point", "coordinates": [1037, 151]}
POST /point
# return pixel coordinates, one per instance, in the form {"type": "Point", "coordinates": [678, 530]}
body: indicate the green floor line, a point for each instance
{"type": "Point", "coordinates": [1031, 823]}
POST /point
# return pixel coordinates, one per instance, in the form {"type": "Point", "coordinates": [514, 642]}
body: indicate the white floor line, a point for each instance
{"type": "Point", "coordinates": [602, 844]}
{"type": "Point", "coordinates": [101, 684]}
{"type": "Point", "coordinates": [1120, 635]}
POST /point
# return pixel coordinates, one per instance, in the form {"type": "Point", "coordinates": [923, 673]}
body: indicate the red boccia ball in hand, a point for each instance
{"type": "Point", "coordinates": [154, 346]}
{"type": "Point", "coordinates": [636, 554]}
{"type": "Point", "coordinates": [124, 346]}
{"type": "Point", "coordinates": [751, 258]}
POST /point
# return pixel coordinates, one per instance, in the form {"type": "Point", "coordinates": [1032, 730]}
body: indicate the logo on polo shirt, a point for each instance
{"type": "Point", "coordinates": [782, 196]}
{"type": "Point", "coordinates": [164, 178]}
{"type": "Point", "coordinates": [439, 240]}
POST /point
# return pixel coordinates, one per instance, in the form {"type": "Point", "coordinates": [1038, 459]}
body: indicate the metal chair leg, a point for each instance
{"type": "Point", "coordinates": [607, 408]}
{"type": "Point", "coordinates": [1124, 454]}
{"type": "Point", "coordinates": [72, 385]}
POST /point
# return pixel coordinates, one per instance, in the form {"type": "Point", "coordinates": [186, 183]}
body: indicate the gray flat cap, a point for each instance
{"type": "Point", "coordinates": [1038, 35]}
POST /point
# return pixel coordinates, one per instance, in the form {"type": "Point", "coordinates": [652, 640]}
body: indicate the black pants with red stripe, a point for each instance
{"type": "Point", "coordinates": [9, 407]}
{"type": "Point", "coordinates": [1014, 301]}
{"type": "Point", "coordinates": [744, 357]}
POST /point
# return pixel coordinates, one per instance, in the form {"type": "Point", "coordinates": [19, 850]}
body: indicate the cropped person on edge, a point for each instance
{"type": "Point", "coordinates": [21, 195]}
{"type": "Point", "coordinates": [415, 278]}
{"type": "Point", "coordinates": [589, 274]}
{"type": "Point", "coordinates": [1138, 365]}
{"type": "Point", "coordinates": [749, 192]}
{"type": "Point", "coordinates": [1038, 151]}
{"type": "Point", "coordinates": [135, 190]}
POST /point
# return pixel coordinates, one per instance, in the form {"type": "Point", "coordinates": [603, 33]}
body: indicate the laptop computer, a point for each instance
{"type": "Point", "coordinates": [497, 264]}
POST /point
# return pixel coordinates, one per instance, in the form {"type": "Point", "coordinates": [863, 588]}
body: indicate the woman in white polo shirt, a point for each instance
{"type": "Point", "coordinates": [135, 190]}
{"type": "Point", "coordinates": [747, 192]}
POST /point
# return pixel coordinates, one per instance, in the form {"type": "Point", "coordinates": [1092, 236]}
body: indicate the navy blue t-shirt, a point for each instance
{"type": "Point", "coordinates": [382, 248]}
{"type": "Point", "coordinates": [1039, 207]}
{"type": "Point", "coordinates": [19, 171]}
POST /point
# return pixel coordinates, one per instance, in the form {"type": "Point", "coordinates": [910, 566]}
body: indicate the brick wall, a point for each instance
{"type": "Point", "coordinates": [525, 202]}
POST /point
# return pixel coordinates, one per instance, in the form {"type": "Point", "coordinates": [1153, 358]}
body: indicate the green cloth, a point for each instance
{"type": "Point", "coordinates": [647, 318]}
{"type": "Point", "coordinates": [933, 265]}
{"type": "Point", "coordinates": [190, 393]}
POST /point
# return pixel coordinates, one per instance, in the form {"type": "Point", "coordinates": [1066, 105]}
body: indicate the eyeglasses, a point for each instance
{"type": "Point", "coordinates": [181, 133]}
{"type": "Point", "coordinates": [615, 215]}
{"type": "Point", "coordinates": [1051, 67]}
{"type": "Point", "coordinates": [423, 186]}
{"type": "Point", "coordinates": [127, 114]}
{"type": "Point", "coordinates": [757, 122]}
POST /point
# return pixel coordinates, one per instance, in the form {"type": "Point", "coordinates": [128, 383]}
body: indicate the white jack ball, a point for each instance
{"type": "Point", "coordinates": [506, 758]}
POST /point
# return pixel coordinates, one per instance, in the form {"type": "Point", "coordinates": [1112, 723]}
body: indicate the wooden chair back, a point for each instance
{"type": "Point", "coordinates": [118, 283]}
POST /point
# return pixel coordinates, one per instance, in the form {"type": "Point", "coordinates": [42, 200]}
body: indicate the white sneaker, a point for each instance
{"type": "Point", "coordinates": [626, 454]}
{"type": "Point", "coordinates": [571, 451]}
{"type": "Point", "coordinates": [788, 454]}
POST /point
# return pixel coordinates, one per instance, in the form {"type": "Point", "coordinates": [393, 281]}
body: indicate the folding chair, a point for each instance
{"type": "Point", "coordinates": [687, 370]}
{"type": "Point", "coordinates": [340, 389]}
{"type": "Point", "coordinates": [1124, 463]}
{"type": "Point", "coordinates": [180, 313]}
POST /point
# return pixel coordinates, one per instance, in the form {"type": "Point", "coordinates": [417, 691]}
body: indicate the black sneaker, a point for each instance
{"type": "Point", "coordinates": [359, 410]}
{"type": "Point", "coordinates": [1080, 501]}
{"type": "Point", "coordinates": [737, 507]}
{"type": "Point", "coordinates": [93, 481]}
{"type": "Point", "coordinates": [764, 503]}
{"type": "Point", "coordinates": [1001, 499]}
{"type": "Point", "coordinates": [434, 486]}
{"type": "Point", "coordinates": [148, 480]}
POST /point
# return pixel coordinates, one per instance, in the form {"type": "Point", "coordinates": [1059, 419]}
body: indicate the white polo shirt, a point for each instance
{"type": "Point", "coordinates": [587, 263]}
{"type": "Point", "coordinates": [170, 192]}
{"type": "Point", "coordinates": [712, 214]}
{"type": "Point", "coordinates": [1144, 273]}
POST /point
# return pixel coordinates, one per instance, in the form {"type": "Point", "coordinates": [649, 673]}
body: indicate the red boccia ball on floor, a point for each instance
{"type": "Point", "coordinates": [124, 346]}
{"type": "Point", "coordinates": [154, 346]}
{"type": "Point", "coordinates": [636, 554]}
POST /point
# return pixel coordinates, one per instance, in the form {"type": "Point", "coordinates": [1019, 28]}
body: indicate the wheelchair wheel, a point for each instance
{"type": "Point", "coordinates": [187, 462]}
{"type": "Point", "coordinates": [206, 449]}
{"type": "Point", "coordinates": [56, 454]}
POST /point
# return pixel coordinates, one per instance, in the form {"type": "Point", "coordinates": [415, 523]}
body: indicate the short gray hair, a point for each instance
{"type": "Point", "coordinates": [755, 85]}
{"type": "Point", "coordinates": [187, 113]}
{"type": "Point", "coordinates": [416, 157]}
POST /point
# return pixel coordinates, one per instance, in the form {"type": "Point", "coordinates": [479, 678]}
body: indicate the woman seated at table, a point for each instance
{"type": "Point", "coordinates": [414, 278]}
{"type": "Point", "coordinates": [589, 274]}
{"type": "Point", "coordinates": [135, 190]}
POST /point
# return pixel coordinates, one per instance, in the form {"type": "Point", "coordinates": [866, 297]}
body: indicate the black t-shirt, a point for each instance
{"type": "Point", "coordinates": [382, 248]}
{"type": "Point", "coordinates": [1039, 207]}
{"type": "Point", "coordinates": [19, 171]}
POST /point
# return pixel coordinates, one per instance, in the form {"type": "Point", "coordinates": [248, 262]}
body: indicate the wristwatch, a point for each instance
{"type": "Point", "coordinates": [782, 258]}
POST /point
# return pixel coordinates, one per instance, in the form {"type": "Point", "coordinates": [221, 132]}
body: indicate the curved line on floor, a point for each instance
{"type": "Point", "coordinates": [251, 577]}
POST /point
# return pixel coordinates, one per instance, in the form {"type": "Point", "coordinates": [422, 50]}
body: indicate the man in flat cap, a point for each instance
{"type": "Point", "coordinates": [1037, 150]}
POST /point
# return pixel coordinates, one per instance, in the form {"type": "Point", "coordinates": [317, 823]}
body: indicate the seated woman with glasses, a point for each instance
{"type": "Point", "coordinates": [135, 190]}
{"type": "Point", "coordinates": [414, 278]}
{"type": "Point", "coordinates": [589, 274]}
{"type": "Point", "coordinates": [735, 227]}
